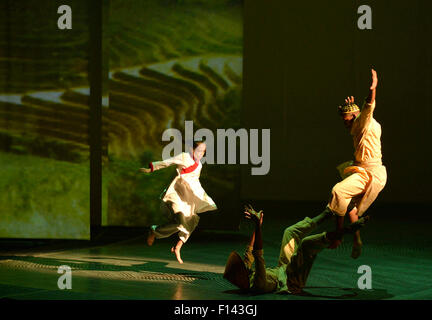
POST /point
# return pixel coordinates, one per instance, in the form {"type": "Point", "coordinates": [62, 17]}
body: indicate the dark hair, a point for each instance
{"type": "Point", "coordinates": [197, 143]}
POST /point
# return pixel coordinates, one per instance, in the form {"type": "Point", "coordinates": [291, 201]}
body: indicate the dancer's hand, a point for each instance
{"type": "Point", "coordinates": [145, 170]}
{"type": "Point", "coordinates": [349, 100]}
{"type": "Point", "coordinates": [256, 217]}
{"type": "Point", "coordinates": [374, 80]}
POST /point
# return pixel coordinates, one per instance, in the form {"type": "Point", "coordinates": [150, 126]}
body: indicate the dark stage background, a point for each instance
{"type": "Point", "coordinates": [302, 59]}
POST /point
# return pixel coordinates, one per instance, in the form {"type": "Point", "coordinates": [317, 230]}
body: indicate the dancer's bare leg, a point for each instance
{"type": "Point", "coordinates": [176, 250]}
{"type": "Point", "coordinates": [357, 242]}
{"type": "Point", "coordinates": [150, 237]}
{"type": "Point", "coordinates": [339, 226]}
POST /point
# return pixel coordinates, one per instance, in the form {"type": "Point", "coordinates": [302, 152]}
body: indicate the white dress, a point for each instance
{"type": "Point", "coordinates": [185, 196]}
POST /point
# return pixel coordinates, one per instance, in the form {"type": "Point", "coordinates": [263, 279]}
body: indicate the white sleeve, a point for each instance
{"type": "Point", "coordinates": [180, 159]}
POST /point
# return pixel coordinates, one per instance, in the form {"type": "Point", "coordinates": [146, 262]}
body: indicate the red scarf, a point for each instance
{"type": "Point", "coordinates": [191, 168]}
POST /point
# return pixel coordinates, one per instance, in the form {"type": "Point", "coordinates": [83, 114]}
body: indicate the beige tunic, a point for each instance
{"type": "Point", "coordinates": [365, 177]}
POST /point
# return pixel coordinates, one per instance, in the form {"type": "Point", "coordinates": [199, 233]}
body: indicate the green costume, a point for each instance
{"type": "Point", "coordinates": [297, 254]}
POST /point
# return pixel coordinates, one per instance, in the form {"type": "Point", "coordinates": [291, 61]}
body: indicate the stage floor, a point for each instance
{"type": "Point", "coordinates": [397, 249]}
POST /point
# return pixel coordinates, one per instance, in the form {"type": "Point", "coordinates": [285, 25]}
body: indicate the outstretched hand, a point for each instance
{"type": "Point", "coordinates": [145, 170]}
{"type": "Point", "coordinates": [374, 80]}
{"type": "Point", "coordinates": [256, 217]}
{"type": "Point", "coordinates": [349, 100]}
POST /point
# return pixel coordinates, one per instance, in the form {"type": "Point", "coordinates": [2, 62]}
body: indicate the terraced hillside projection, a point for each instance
{"type": "Point", "coordinates": [169, 61]}
{"type": "Point", "coordinates": [44, 150]}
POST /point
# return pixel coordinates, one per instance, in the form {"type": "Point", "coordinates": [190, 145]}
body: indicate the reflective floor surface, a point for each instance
{"type": "Point", "coordinates": [398, 251]}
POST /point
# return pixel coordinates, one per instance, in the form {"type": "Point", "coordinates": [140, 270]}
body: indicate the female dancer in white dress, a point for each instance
{"type": "Point", "coordinates": [185, 197]}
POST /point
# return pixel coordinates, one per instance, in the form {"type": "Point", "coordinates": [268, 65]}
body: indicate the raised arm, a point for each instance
{"type": "Point", "coordinates": [261, 283]}
{"type": "Point", "coordinates": [369, 105]}
{"type": "Point", "coordinates": [257, 218]}
{"type": "Point", "coordinates": [372, 89]}
{"type": "Point", "coordinates": [248, 256]}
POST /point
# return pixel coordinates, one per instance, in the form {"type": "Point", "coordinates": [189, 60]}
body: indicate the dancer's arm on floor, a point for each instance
{"type": "Point", "coordinates": [248, 256]}
{"type": "Point", "coordinates": [261, 283]}
{"type": "Point", "coordinates": [257, 218]}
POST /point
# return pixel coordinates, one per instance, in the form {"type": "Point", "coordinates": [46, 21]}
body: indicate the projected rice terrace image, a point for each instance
{"type": "Point", "coordinates": [44, 149]}
{"type": "Point", "coordinates": [166, 62]}
{"type": "Point", "coordinates": [169, 61]}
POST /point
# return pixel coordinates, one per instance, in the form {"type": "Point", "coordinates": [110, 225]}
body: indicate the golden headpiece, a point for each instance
{"type": "Point", "coordinates": [348, 108]}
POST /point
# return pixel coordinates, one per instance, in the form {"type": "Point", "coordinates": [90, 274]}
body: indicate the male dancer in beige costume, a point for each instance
{"type": "Point", "coordinates": [364, 177]}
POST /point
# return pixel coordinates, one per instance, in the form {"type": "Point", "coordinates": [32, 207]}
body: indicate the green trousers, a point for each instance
{"type": "Point", "coordinates": [297, 254]}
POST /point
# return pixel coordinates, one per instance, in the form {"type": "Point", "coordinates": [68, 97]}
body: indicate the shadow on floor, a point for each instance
{"type": "Point", "coordinates": [147, 270]}
{"type": "Point", "coordinates": [346, 293]}
{"type": "Point", "coordinates": [330, 293]}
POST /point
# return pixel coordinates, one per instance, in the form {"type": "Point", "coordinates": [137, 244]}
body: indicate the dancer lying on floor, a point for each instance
{"type": "Point", "coordinates": [297, 254]}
